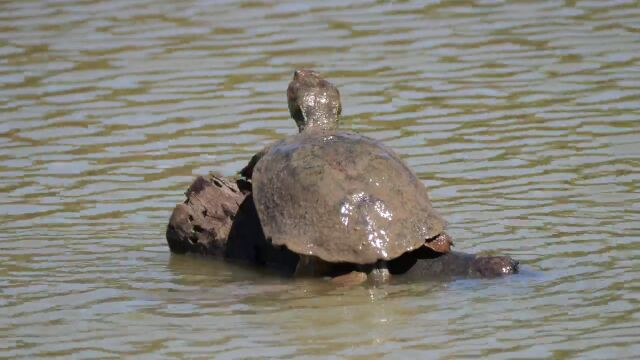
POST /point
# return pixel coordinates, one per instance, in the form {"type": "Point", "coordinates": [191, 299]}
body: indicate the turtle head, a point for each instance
{"type": "Point", "coordinates": [314, 103]}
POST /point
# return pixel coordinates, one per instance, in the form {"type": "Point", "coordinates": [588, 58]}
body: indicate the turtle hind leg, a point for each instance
{"type": "Point", "coordinates": [377, 272]}
{"type": "Point", "coordinates": [380, 272]}
{"type": "Point", "coordinates": [309, 265]}
{"type": "Point", "coordinates": [350, 279]}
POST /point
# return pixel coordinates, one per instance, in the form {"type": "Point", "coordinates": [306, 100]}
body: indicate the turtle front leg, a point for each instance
{"type": "Point", "coordinates": [247, 171]}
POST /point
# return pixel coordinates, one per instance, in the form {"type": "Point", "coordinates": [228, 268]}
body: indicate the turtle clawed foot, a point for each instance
{"type": "Point", "coordinates": [495, 266]}
{"type": "Point", "coordinates": [351, 279]}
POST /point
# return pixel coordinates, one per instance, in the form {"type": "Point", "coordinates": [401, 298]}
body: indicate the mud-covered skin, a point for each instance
{"type": "Point", "coordinates": [313, 101]}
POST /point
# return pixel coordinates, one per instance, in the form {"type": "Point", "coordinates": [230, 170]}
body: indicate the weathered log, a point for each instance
{"type": "Point", "coordinates": [219, 218]}
{"type": "Point", "coordinates": [201, 224]}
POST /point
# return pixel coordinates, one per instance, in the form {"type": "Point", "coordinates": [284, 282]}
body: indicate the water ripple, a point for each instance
{"type": "Point", "coordinates": [521, 117]}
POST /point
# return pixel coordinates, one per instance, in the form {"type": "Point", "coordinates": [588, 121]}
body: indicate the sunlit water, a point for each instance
{"type": "Point", "coordinates": [522, 118]}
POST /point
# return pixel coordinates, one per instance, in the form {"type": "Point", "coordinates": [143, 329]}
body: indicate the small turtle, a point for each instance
{"type": "Point", "coordinates": [337, 197]}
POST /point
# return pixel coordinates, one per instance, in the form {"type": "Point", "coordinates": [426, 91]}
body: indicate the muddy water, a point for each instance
{"type": "Point", "coordinates": [523, 118]}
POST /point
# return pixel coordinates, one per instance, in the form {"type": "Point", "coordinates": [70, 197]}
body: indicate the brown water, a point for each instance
{"type": "Point", "coordinates": [523, 119]}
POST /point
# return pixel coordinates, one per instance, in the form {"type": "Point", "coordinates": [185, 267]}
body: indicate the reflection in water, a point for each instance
{"type": "Point", "coordinates": [521, 117]}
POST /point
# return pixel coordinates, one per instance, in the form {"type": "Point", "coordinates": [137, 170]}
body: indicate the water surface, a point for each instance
{"type": "Point", "coordinates": [523, 118]}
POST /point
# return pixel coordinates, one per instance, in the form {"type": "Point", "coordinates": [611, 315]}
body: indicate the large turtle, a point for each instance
{"type": "Point", "coordinates": [337, 197]}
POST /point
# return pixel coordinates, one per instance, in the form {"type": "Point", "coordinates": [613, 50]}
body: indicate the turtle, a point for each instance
{"type": "Point", "coordinates": [344, 202]}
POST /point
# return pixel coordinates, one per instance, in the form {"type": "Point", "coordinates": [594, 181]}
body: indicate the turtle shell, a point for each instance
{"type": "Point", "coordinates": [342, 197]}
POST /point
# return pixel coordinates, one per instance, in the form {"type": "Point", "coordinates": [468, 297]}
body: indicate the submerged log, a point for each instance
{"type": "Point", "coordinates": [219, 219]}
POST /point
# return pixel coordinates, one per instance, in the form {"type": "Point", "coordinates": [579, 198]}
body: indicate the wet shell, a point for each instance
{"type": "Point", "coordinates": [342, 197]}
